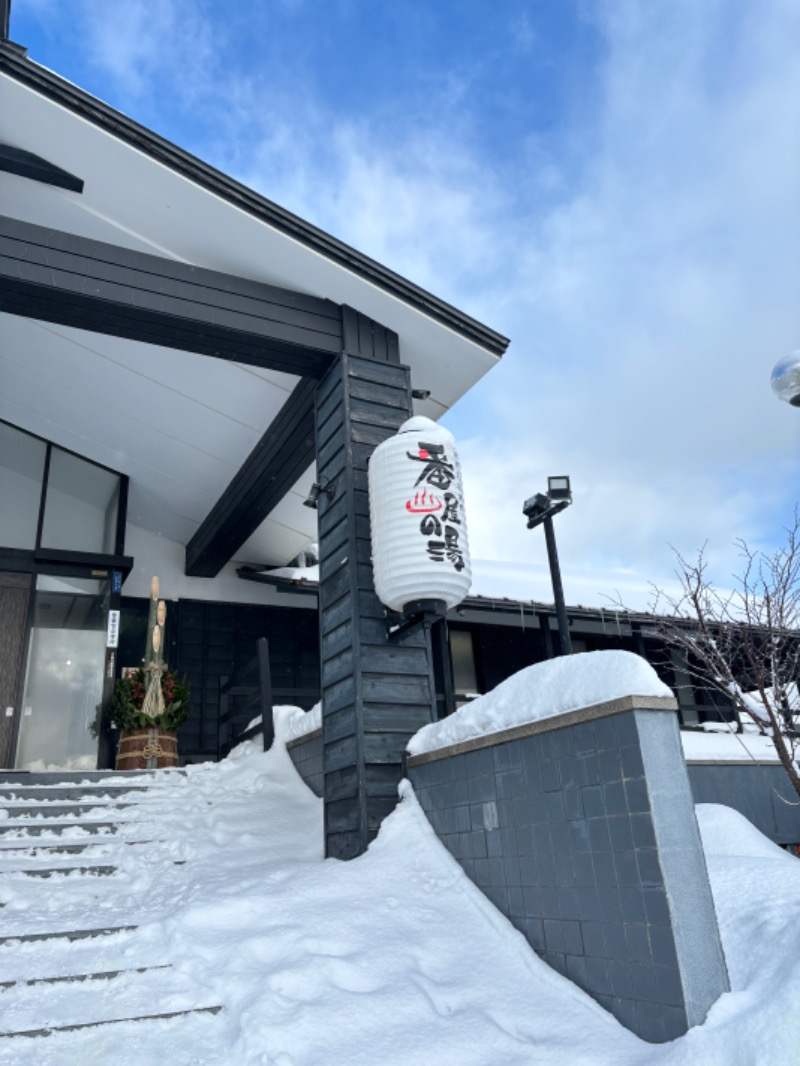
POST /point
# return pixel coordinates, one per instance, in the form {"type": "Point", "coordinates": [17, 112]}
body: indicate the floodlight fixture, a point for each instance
{"type": "Point", "coordinates": [558, 488]}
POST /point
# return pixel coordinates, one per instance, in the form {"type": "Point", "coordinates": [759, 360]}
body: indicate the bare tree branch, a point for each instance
{"type": "Point", "coordinates": [743, 643]}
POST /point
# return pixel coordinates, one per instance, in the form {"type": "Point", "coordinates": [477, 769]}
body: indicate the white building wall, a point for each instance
{"type": "Point", "coordinates": [157, 555]}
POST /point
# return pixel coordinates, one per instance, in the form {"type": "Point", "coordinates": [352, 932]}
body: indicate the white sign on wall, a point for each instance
{"type": "Point", "coordinates": [419, 532]}
{"type": "Point", "coordinates": [112, 636]}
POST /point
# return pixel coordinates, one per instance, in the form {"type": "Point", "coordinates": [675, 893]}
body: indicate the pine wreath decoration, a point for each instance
{"type": "Point", "coordinates": [126, 707]}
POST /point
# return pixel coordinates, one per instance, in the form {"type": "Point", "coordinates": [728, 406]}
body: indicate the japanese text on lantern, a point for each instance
{"type": "Point", "coordinates": [441, 514]}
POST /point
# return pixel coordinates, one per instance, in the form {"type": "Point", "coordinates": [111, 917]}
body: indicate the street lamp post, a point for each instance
{"type": "Point", "coordinates": [539, 510]}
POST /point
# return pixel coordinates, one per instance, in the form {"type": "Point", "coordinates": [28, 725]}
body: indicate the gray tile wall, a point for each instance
{"type": "Point", "coordinates": [557, 830]}
{"type": "Point", "coordinates": [755, 790]}
{"type": "Point", "coordinates": [306, 754]}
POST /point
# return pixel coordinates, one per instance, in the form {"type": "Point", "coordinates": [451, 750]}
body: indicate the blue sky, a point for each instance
{"type": "Point", "coordinates": [612, 185]}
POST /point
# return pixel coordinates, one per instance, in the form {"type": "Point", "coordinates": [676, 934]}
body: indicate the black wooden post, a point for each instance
{"type": "Point", "coordinates": [265, 692]}
{"type": "Point", "coordinates": [106, 751]}
{"type": "Point", "coordinates": [375, 695]}
{"type": "Point", "coordinates": [440, 641]}
{"type": "Point", "coordinates": [223, 747]}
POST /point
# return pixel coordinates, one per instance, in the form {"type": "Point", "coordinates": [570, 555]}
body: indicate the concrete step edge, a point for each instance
{"type": "Point", "coordinates": [65, 848]}
{"type": "Point", "coordinates": [32, 829]}
{"type": "Point", "coordinates": [109, 1021]}
{"type": "Point", "coordinates": [68, 934]}
{"type": "Point", "coordinates": [80, 777]}
{"type": "Point", "coordinates": [68, 793]}
{"type": "Point", "coordinates": [100, 975]}
{"type": "Point", "coordinates": [57, 810]}
{"type": "Point", "coordinates": [91, 870]}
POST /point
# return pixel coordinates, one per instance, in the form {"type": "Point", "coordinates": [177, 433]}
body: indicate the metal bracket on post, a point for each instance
{"type": "Point", "coordinates": [418, 614]}
{"type": "Point", "coordinates": [319, 488]}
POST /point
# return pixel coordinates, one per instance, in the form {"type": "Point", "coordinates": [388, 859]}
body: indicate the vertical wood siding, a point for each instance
{"type": "Point", "coordinates": [375, 694]}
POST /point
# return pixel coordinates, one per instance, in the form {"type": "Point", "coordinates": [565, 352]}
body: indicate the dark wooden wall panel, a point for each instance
{"type": "Point", "coordinates": [208, 641]}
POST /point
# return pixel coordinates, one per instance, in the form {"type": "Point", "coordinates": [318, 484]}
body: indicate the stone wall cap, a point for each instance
{"type": "Point", "coordinates": [756, 762]}
{"type": "Point", "coordinates": [547, 725]}
{"type": "Point", "coordinates": [314, 734]}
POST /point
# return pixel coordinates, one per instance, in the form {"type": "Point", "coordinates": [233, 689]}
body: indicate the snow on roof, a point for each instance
{"type": "Point", "coordinates": [544, 690]}
{"type": "Point", "coordinates": [302, 574]}
{"type": "Point", "coordinates": [755, 703]}
{"type": "Point", "coordinates": [726, 745]}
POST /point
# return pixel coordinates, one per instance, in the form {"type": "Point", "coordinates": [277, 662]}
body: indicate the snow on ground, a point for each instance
{"type": "Point", "coordinates": [393, 959]}
{"type": "Point", "coordinates": [542, 691]}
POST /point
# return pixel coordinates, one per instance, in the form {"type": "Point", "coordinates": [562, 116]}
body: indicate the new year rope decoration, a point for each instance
{"type": "Point", "coordinates": [154, 698]}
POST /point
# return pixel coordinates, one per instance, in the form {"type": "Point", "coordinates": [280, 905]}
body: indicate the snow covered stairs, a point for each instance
{"type": "Point", "coordinates": [49, 816]}
{"type": "Point", "coordinates": [55, 978]}
{"type": "Point", "coordinates": [74, 995]}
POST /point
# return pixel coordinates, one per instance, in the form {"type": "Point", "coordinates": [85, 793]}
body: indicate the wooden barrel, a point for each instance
{"type": "Point", "coordinates": [147, 749]}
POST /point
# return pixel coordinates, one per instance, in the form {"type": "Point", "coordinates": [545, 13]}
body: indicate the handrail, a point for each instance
{"type": "Point", "coordinates": [241, 700]}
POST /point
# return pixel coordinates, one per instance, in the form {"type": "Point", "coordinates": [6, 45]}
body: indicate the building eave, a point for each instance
{"type": "Point", "coordinates": [43, 81]}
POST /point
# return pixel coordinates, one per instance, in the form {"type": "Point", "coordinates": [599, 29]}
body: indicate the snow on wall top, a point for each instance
{"type": "Point", "coordinates": [544, 690]}
{"type": "Point", "coordinates": [294, 722]}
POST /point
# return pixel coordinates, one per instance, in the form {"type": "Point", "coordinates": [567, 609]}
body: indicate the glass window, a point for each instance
{"type": "Point", "coordinates": [21, 472]}
{"type": "Point", "coordinates": [464, 680]}
{"type": "Point", "coordinates": [80, 511]}
{"type": "Point", "coordinates": [682, 687]}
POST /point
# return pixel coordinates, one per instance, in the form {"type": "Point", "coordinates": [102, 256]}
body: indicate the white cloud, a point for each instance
{"type": "Point", "coordinates": [648, 307]}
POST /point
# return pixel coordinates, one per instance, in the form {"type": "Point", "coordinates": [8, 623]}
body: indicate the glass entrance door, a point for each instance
{"type": "Point", "coordinates": [62, 702]}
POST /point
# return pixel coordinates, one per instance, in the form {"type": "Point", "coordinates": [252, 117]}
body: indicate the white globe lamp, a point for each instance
{"type": "Point", "coordinates": [785, 378]}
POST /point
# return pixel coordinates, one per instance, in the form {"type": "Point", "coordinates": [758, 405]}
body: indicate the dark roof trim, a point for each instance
{"type": "Point", "coordinates": [48, 84]}
{"type": "Point", "coordinates": [482, 604]}
{"type": "Point", "coordinates": [27, 165]}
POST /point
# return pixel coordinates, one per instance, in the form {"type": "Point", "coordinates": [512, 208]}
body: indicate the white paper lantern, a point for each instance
{"type": "Point", "coordinates": [416, 506]}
